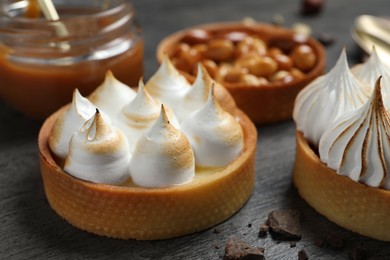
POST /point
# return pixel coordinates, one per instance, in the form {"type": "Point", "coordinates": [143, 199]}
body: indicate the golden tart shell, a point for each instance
{"type": "Point", "coordinates": [352, 205]}
{"type": "Point", "coordinates": [263, 104]}
{"type": "Point", "coordinates": [148, 214]}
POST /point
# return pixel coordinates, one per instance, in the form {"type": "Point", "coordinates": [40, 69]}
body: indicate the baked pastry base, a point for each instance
{"type": "Point", "coordinates": [352, 205]}
{"type": "Point", "coordinates": [268, 103]}
{"type": "Point", "coordinates": [147, 214]}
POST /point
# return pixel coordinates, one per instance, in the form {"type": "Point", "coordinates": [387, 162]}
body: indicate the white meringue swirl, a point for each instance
{"type": "Point", "coordinates": [215, 135]}
{"type": "Point", "coordinates": [98, 153]}
{"type": "Point", "coordinates": [162, 156]}
{"type": "Point", "coordinates": [112, 95]}
{"type": "Point", "coordinates": [167, 85]}
{"type": "Point", "coordinates": [79, 111]}
{"type": "Point", "coordinates": [139, 115]}
{"type": "Point", "coordinates": [327, 98]}
{"type": "Point", "coordinates": [196, 97]}
{"type": "Point", "coordinates": [357, 145]}
{"type": "Point", "coordinates": [370, 70]}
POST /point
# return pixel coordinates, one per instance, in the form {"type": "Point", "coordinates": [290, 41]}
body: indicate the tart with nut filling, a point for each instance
{"type": "Point", "coordinates": [262, 66]}
{"type": "Point", "coordinates": [167, 192]}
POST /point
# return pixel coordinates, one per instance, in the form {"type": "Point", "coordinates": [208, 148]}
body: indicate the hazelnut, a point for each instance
{"type": "Point", "coordinates": [196, 36]}
{"type": "Point", "coordinates": [262, 66]}
{"type": "Point", "coordinates": [252, 80]}
{"type": "Point", "coordinates": [235, 36]}
{"type": "Point", "coordinates": [220, 50]}
{"type": "Point", "coordinates": [284, 62]}
{"type": "Point", "coordinates": [283, 76]}
{"type": "Point", "coordinates": [303, 57]}
{"type": "Point", "coordinates": [251, 44]}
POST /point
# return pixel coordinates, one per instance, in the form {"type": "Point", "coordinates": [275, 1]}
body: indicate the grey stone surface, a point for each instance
{"type": "Point", "coordinates": [30, 229]}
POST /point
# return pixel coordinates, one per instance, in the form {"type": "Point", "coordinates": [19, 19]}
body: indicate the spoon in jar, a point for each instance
{"type": "Point", "coordinates": [51, 14]}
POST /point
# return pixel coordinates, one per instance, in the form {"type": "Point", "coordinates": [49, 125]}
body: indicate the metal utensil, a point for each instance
{"type": "Point", "coordinates": [51, 14]}
{"type": "Point", "coordinates": [369, 31]}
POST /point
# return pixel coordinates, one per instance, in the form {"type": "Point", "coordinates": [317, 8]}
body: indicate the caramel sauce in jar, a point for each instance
{"type": "Point", "coordinates": [41, 61]}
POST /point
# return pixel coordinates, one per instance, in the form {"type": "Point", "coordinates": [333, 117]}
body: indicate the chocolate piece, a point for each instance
{"type": "Point", "coordinates": [216, 231]}
{"type": "Point", "coordinates": [293, 244]}
{"type": "Point", "coordinates": [325, 39]}
{"type": "Point", "coordinates": [311, 7]}
{"type": "Point", "coordinates": [358, 253]}
{"type": "Point", "coordinates": [285, 224]}
{"type": "Point", "coordinates": [249, 225]}
{"type": "Point", "coordinates": [302, 255]}
{"type": "Point", "coordinates": [335, 240]}
{"type": "Point", "coordinates": [238, 250]}
{"type": "Point", "coordinates": [263, 230]}
{"type": "Point", "coordinates": [319, 242]}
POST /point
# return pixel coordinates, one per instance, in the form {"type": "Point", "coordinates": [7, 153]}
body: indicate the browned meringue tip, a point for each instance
{"type": "Point", "coordinates": [377, 94]}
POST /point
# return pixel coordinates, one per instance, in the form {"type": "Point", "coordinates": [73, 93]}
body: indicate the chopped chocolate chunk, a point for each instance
{"type": "Point", "coordinates": [325, 39]}
{"type": "Point", "coordinates": [263, 230]}
{"type": "Point", "coordinates": [238, 250]}
{"type": "Point", "coordinates": [335, 240]}
{"type": "Point", "coordinates": [293, 244]}
{"type": "Point", "coordinates": [285, 224]}
{"type": "Point", "coordinates": [302, 255]}
{"type": "Point", "coordinates": [319, 242]}
{"type": "Point", "coordinates": [216, 231]}
{"type": "Point", "coordinates": [311, 7]}
{"type": "Point", "coordinates": [358, 253]}
{"type": "Point", "coordinates": [249, 225]}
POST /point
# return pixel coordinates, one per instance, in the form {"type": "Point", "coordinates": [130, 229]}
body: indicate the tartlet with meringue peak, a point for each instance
{"type": "Point", "coordinates": [167, 192]}
{"type": "Point", "coordinates": [344, 174]}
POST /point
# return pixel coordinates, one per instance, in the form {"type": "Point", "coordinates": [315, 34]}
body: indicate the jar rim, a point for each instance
{"type": "Point", "coordinates": [9, 6]}
{"type": "Point", "coordinates": [92, 35]}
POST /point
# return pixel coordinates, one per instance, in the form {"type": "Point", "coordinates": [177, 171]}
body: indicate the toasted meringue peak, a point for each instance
{"type": "Point", "coordinates": [357, 145]}
{"type": "Point", "coordinates": [112, 95]}
{"type": "Point", "coordinates": [79, 111]}
{"type": "Point", "coordinates": [371, 70]}
{"type": "Point", "coordinates": [162, 156]}
{"type": "Point", "coordinates": [167, 84]}
{"type": "Point", "coordinates": [327, 98]}
{"type": "Point", "coordinates": [98, 153]}
{"type": "Point", "coordinates": [215, 135]}
{"type": "Point", "coordinates": [197, 96]}
{"type": "Point", "coordinates": [139, 115]}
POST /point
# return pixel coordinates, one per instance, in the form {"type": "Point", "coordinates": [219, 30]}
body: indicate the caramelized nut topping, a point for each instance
{"type": "Point", "coordinates": [241, 57]}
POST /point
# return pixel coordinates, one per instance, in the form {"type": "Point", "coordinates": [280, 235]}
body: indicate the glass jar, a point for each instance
{"type": "Point", "coordinates": [42, 62]}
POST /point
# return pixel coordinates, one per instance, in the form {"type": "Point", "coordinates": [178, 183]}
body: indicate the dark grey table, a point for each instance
{"type": "Point", "coordinates": [29, 228]}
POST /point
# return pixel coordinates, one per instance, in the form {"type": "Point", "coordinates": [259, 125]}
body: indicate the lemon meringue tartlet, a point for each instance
{"type": "Point", "coordinates": [343, 172]}
{"type": "Point", "coordinates": [155, 186]}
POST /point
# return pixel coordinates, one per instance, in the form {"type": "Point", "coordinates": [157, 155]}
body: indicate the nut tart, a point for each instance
{"type": "Point", "coordinates": [261, 65]}
{"type": "Point", "coordinates": [144, 207]}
